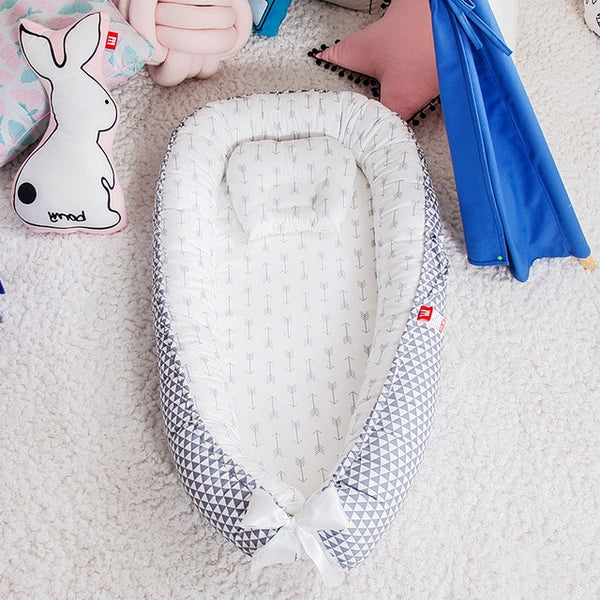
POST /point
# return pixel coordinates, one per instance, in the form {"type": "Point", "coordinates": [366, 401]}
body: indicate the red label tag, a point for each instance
{"type": "Point", "coordinates": [425, 313]}
{"type": "Point", "coordinates": [442, 325]}
{"type": "Point", "coordinates": [433, 318]}
{"type": "Point", "coordinates": [111, 40]}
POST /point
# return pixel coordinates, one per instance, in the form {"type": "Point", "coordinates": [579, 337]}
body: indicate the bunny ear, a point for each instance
{"type": "Point", "coordinates": [82, 41]}
{"type": "Point", "coordinates": [38, 52]}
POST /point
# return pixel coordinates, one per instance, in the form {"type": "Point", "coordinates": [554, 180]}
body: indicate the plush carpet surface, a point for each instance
{"type": "Point", "coordinates": [507, 501]}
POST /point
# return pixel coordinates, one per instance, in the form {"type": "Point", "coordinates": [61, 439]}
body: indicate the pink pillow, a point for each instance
{"type": "Point", "coordinates": [24, 108]}
{"type": "Point", "coordinates": [398, 51]}
{"type": "Point", "coordinates": [69, 182]}
{"type": "Point", "coordinates": [190, 38]}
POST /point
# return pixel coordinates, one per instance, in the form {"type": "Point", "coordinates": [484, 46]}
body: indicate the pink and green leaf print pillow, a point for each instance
{"type": "Point", "coordinates": [24, 106]}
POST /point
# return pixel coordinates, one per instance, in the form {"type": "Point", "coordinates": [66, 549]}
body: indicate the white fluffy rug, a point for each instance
{"type": "Point", "coordinates": [507, 503]}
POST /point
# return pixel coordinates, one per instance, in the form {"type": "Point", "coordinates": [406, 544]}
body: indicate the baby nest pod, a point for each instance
{"type": "Point", "coordinates": [299, 287]}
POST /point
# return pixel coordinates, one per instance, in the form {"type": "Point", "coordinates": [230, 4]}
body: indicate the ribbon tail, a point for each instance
{"type": "Point", "coordinates": [282, 548]}
{"type": "Point", "coordinates": [331, 573]}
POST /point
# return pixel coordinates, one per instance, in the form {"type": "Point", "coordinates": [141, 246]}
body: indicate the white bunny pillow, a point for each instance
{"type": "Point", "coordinates": [69, 182]}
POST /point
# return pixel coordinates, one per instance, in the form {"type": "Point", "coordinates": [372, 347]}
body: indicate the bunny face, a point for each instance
{"type": "Point", "coordinates": [69, 183]}
{"type": "Point", "coordinates": [76, 97]}
{"type": "Point", "coordinates": [90, 109]}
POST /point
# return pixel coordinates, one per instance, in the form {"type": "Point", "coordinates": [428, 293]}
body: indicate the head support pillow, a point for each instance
{"type": "Point", "coordinates": [69, 182]}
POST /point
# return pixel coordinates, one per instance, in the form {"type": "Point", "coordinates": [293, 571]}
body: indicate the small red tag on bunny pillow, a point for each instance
{"type": "Point", "coordinates": [69, 183]}
{"type": "Point", "coordinates": [112, 37]}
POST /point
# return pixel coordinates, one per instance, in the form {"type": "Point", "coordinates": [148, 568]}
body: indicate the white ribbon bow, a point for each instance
{"type": "Point", "coordinates": [322, 511]}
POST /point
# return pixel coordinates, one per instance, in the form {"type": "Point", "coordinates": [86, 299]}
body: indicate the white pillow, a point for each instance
{"type": "Point", "coordinates": [24, 106]}
{"type": "Point", "coordinates": [305, 185]}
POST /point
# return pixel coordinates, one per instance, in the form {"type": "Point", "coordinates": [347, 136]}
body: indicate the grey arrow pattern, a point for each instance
{"type": "Point", "coordinates": [296, 246]}
{"type": "Point", "coordinates": [312, 263]}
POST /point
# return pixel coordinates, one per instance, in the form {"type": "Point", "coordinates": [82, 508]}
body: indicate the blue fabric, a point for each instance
{"type": "Point", "coordinates": [513, 203]}
{"type": "Point", "coordinates": [267, 15]}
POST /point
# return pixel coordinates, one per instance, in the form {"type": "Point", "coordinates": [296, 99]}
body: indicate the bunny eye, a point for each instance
{"type": "Point", "coordinates": [107, 101]}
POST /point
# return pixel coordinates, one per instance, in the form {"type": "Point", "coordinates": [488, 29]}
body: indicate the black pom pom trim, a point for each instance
{"type": "Point", "coordinates": [432, 106]}
{"type": "Point", "coordinates": [373, 85]}
{"type": "Point", "coordinates": [353, 76]}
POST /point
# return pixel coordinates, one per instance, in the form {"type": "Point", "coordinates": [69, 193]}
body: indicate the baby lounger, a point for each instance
{"type": "Point", "coordinates": [299, 283]}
